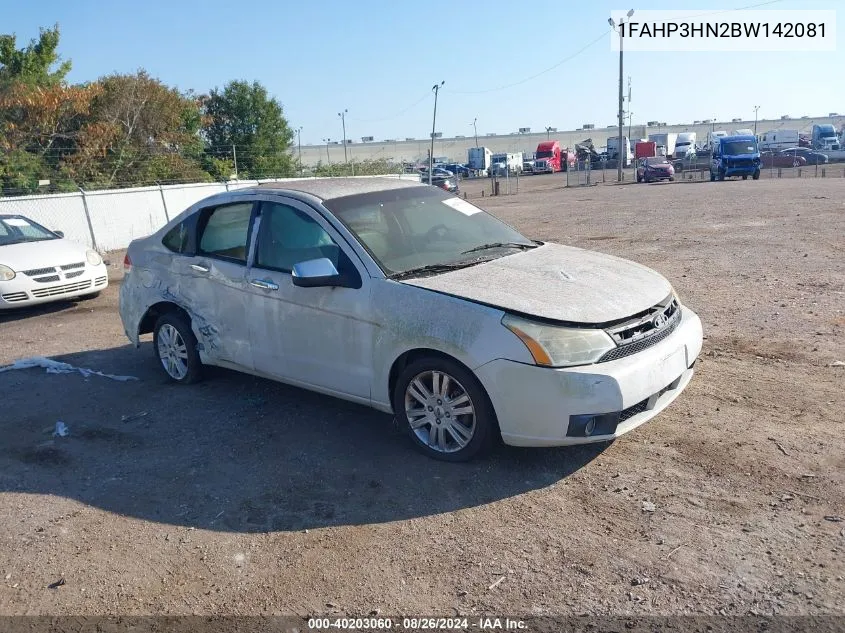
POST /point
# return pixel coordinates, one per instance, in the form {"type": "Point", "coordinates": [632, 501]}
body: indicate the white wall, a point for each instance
{"type": "Point", "coordinates": [118, 216]}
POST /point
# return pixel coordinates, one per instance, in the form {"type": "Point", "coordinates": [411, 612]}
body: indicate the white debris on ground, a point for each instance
{"type": "Point", "coordinates": [56, 367]}
{"type": "Point", "coordinates": [61, 429]}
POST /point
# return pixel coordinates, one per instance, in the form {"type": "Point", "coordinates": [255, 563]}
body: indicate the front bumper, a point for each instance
{"type": "Point", "coordinates": [534, 405]}
{"type": "Point", "coordinates": [25, 291]}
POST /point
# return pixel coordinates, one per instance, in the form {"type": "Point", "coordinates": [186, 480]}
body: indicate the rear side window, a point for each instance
{"type": "Point", "coordinates": [224, 231]}
{"type": "Point", "coordinates": [176, 239]}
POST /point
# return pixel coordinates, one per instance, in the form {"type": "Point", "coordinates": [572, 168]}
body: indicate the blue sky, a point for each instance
{"type": "Point", "coordinates": [372, 57]}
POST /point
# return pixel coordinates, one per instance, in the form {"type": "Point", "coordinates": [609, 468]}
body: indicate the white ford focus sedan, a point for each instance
{"type": "Point", "coordinates": [38, 265]}
{"type": "Point", "coordinates": [403, 297]}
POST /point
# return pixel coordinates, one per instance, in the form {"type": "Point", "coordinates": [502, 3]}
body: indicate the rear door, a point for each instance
{"type": "Point", "coordinates": [212, 278]}
{"type": "Point", "coordinates": [317, 337]}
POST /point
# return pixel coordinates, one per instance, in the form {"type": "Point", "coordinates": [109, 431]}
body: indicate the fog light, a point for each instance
{"type": "Point", "coordinates": [590, 427]}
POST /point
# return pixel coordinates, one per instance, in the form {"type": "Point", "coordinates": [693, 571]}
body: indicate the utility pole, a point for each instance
{"type": "Point", "coordinates": [475, 129]}
{"type": "Point", "coordinates": [235, 159]}
{"type": "Point", "coordinates": [328, 158]}
{"type": "Point", "coordinates": [299, 144]}
{"type": "Point", "coordinates": [436, 88]}
{"type": "Point", "coordinates": [548, 132]}
{"type": "Point", "coordinates": [342, 116]}
{"type": "Point", "coordinates": [630, 116]}
{"type": "Point", "coordinates": [755, 119]}
{"type": "Point", "coordinates": [619, 157]}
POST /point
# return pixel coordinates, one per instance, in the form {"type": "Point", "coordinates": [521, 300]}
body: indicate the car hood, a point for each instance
{"type": "Point", "coordinates": [556, 282]}
{"type": "Point", "coordinates": [42, 254]}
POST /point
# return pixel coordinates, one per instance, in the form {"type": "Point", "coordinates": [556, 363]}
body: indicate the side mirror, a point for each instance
{"type": "Point", "coordinates": [59, 233]}
{"type": "Point", "coordinates": [316, 273]}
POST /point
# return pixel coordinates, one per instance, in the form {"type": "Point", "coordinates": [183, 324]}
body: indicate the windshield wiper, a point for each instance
{"type": "Point", "coordinates": [436, 268]}
{"type": "Point", "coordinates": [485, 247]}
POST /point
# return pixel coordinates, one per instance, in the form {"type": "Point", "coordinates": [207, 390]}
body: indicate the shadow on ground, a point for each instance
{"type": "Point", "coordinates": [236, 453]}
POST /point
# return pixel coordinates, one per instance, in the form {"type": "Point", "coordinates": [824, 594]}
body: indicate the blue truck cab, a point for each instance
{"type": "Point", "coordinates": [734, 156]}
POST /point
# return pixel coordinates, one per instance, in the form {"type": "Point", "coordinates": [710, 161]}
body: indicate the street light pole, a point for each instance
{"type": "Point", "coordinates": [436, 89]}
{"type": "Point", "coordinates": [342, 116]}
{"type": "Point", "coordinates": [475, 129]}
{"type": "Point", "coordinates": [328, 158]}
{"type": "Point", "coordinates": [548, 132]}
{"type": "Point", "coordinates": [755, 119]}
{"type": "Point", "coordinates": [299, 144]}
{"type": "Point", "coordinates": [619, 158]}
{"type": "Point", "coordinates": [630, 116]}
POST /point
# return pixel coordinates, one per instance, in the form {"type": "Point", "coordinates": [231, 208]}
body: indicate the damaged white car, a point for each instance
{"type": "Point", "coordinates": [408, 299]}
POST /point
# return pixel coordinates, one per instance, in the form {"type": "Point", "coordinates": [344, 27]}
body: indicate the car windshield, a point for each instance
{"type": "Point", "coordinates": [657, 160]}
{"type": "Point", "coordinates": [411, 228]}
{"type": "Point", "coordinates": [18, 229]}
{"type": "Point", "coordinates": [545, 154]}
{"type": "Point", "coordinates": [732, 148]}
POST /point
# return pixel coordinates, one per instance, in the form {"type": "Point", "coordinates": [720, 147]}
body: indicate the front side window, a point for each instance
{"type": "Point", "coordinates": [288, 236]}
{"type": "Point", "coordinates": [409, 228]}
{"type": "Point", "coordinates": [225, 231]}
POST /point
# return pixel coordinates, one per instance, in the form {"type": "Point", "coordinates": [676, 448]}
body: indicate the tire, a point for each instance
{"type": "Point", "coordinates": [756, 175]}
{"type": "Point", "coordinates": [671, 179]}
{"type": "Point", "coordinates": [744, 177]}
{"type": "Point", "coordinates": [721, 175]}
{"type": "Point", "coordinates": [436, 430]}
{"type": "Point", "coordinates": [796, 163]}
{"type": "Point", "coordinates": [639, 178]}
{"type": "Point", "coordinates": [175, 347]}
{"type": "Point", "coordinates": [712, 177]}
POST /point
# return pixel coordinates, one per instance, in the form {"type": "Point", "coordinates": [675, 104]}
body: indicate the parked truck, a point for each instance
{"type": "Point", "coordinates": [550, 158]}
{"type": "Point", "coordinates": [645, 149]}
{"type": "Point", "coordinates": [824, 138]}
{"type": "Point", "coordinates": [665, 140]}
{"type": "Point", "coordinates": [613, 153]}
{"type": "Point", "coordinates": [504, 163]}
{"type": "Point", "coordinates": [779, 139]}
{"type": "Point", "coordinates": [684, 145]}
{"type": "Point", "coordinates": [479, 159]}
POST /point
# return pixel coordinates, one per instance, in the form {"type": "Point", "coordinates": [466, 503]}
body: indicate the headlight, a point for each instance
{"type": "Point", "coordinates": [6, 273]}
{"type": "Point", "coordinates": [93, 257]}
{"type": "Point", "coordinates": [555, 346]}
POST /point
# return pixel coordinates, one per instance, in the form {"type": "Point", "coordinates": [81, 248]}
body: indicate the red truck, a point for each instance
{"type": "Point", "coordinates": [645, 149]}
{"type": "Point", "coordinates": [550, 158]}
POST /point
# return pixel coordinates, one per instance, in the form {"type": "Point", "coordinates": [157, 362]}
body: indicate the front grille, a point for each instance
{"type": "Point", "coordinates": [72, 266]}
{"type": "Point", "coordinates": [48, 279]}
{"type": "Point", "coordinates": [641, 344]}
{"type": "Point", "coordinates": [75, 273]}
{"type": "Point", "coordinates": [642, 332]}
{"type": "Point", "coordinates": [630, 412]}
{"type": "Point", "coordinates": [99, 281]}
{"type": "Point", "coordinates": [39, 271]}
{"type": "Point", "coordinates": [52, 291]}
{"type": "Point", "coordinates": [14, 296]}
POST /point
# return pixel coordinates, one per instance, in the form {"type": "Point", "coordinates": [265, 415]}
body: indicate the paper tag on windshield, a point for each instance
{"type": "Point", "coordinates": [462, 205]}
{"type": "Point", "coordinates": [16, 222]}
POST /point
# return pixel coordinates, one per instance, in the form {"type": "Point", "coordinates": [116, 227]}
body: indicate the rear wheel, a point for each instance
{"type": "Point", "coordinates": [756, 175]}
{"type": "Point", "coordinates": [175, 346]}
{"type": "Point", "coordinates": [444, 409]}
{"type": "Point", "coordinates": [745, 177]}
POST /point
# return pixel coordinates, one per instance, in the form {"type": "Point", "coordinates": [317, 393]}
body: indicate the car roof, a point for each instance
{"type": "Point", "coordinates": [738, 137]}
{"type": "Point", "coordinates": [328, 188]}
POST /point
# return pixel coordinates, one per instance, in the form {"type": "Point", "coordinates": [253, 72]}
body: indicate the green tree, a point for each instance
{"type": "Point", "coordinates": [33, 65]}
{"type": "Point", "coordinates": [244, 116]}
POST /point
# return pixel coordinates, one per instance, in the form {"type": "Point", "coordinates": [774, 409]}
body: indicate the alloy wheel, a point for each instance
{"type": "Point", "coordinates": [172, 352]}
{"type": "Point", "coordinates": [440, 411]}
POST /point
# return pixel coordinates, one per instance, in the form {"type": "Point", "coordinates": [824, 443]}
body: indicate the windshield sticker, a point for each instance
{"type": "Point", "coordinates": [16, 222]}
{"type": "Point", "coordinates": [462, 205]}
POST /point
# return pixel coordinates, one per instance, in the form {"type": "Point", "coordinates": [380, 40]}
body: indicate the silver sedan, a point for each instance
{"type": "Point", "coordinates": [408, 299]}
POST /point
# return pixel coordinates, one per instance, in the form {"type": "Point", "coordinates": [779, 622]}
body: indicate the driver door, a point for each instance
{"type": "Point", "coordinates": [319, 337]}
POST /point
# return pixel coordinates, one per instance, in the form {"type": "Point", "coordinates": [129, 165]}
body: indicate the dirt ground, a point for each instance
{"type": "Point", "coordinates": [243, 496]}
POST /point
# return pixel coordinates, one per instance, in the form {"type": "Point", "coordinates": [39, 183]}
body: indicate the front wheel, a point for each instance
{"type": "Point", "coordinates": [712, 177]}
{"type": "Point", "coordinates": [176, 348]}
{"type": "Point", "coordinates": [444, 409]}
{"type": "Point", "coordinates": [756, 175]}
{"type": "Point", "coordinates": [721, 175]}
{"type": "Point", "coordinates": [745, 177]}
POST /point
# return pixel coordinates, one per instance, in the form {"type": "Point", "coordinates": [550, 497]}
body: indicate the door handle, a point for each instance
{"type": "Point", "coordinates": [200, 269]}
{"type": "Point", "coordinates": [264, 284]}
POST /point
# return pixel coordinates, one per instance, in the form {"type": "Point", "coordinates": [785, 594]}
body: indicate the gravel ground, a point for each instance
{"type": "Point", "coordinates": [243, 496]}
